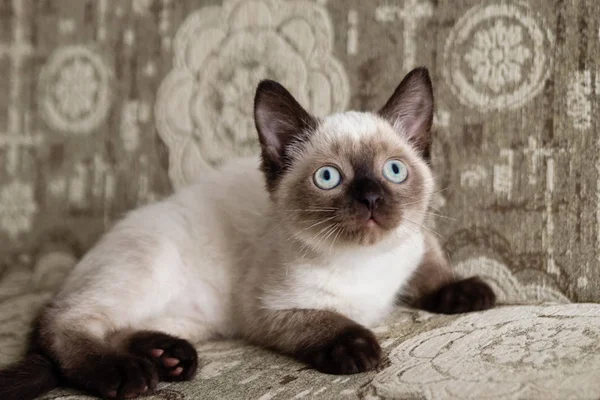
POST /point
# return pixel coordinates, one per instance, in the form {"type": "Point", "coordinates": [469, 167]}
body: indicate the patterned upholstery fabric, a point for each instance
{"type": "Point", "coordinates": [106, 105]}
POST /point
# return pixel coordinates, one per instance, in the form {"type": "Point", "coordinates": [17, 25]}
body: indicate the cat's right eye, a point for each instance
{"type": "Point", "coordinates": [327, 177]}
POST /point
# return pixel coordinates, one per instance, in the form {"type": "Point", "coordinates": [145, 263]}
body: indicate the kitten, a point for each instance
{"type": "Point", "coordinates": [302, 267]}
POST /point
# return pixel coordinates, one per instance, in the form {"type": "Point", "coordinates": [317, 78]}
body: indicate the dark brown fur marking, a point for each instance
{"type": "Point", "coordinates": [121, 376]}
{"type": "Point", "coordinates": [461, 296]}
{"type": "Point", "coordinates": [326, 340]}
{"type": "Point", "coordinates": [143, 343]}
{"type": "Point", "coordinates": [355, 349]}
{"type": "Point", "coordinates": [134, 370]}
{"type": "Point", "coordinates": [28, 378]}
{"type": "Point", "coordinates": [435, 288]}
{"type": "Point", "coordinates": [280, 121]}
{"type": "Point", "coordinates": [413, 102]}
{"type": "Point", "coordinates": [34, 375]}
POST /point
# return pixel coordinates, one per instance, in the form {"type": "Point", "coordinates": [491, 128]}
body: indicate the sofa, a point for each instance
{"type": "Point", "coordinates": [108, 105]}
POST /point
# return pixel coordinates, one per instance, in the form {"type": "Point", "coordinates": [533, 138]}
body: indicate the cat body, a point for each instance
{"type": "Point", "coordinates": [193, 257]}
{"type": "Point", "coordinates": [301, 251]}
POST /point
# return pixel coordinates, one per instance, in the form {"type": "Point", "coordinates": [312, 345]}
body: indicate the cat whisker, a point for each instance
{"type": "Point", "coordinates": [410, 204]}
{"type": "Point", "coordinates": [423, 227]}
{"type": "Point", "coordinates": [339, 230]}
{"type": "Point", "coordinates": [316, 241]}
{"type": "Point", "coordinates": [326, 235]}
{"type": "Point", "coordinates": [336, 231]}
{"type": "Point", "coordinates": [440, 191]}
{"type": "Point", "coordinates": [420, 201]}
{"type": "Point", "coordinates": [335, 227]}
{"type": "Point", "coordinates": [412, 239]}
{"type": "Point", "coordinates": [318, 223]}
{"type": "Point", "coordinates": [312, 210]}
{"type": "Point", "coordinates": [315, 237]}
{"type": "Point", "coordinates": [434, 214]}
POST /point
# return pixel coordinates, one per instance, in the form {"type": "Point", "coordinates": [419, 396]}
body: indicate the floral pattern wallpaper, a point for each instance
{"type": "Point", "coordinates": [106, 105]}
{"type": "Point", "coordinates": [204, 104]}
{"type": "Point", "coordinates": [109, 105]}
{"type": "Point", "coordinates": [498, 56]}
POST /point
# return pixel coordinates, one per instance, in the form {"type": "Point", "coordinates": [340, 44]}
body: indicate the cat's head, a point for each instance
{"type": "Point", "coordinates": [353, 177]}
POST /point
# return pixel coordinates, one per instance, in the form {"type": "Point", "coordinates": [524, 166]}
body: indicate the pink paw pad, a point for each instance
{"type": "Point", "coordinates": [157, 353]}
{"type": "Point", "coordinates": [170, 362]}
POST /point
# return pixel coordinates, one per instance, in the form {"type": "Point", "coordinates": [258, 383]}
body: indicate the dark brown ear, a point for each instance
{"type": "Point", "coordinates": [280, 121]}
{"type": "Point", "coordinates": [410, 109]}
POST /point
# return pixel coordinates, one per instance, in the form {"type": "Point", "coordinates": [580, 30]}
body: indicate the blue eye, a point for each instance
{"type": "Point", "coordinates": [327, 178]}
{"type": "Point", "coordinates": [395, 171]}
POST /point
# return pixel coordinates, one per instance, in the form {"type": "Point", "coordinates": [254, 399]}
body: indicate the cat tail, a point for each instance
{"type": "Point", "coordinates": [31, 377]}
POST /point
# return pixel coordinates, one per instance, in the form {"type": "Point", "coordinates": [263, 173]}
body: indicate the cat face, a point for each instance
{"type": "Point", "coordinates": [353, 177]}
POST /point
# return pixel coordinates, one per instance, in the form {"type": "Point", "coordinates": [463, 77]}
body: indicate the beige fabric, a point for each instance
{"type": "Point", "coordinates": [109, 104]}
{"type": "Point", "coordinates": [523, 352]}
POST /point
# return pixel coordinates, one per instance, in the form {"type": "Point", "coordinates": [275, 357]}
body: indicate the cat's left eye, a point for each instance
{"type": "Point", "coordinates": [395, 171]}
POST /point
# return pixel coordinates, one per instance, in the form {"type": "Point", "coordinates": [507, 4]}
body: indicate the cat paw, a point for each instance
{"type": "Point", "coordinates": [176, 359]}
{"type": "Point", "coordinates": [462, 296]}
{"type": "Point", "coordinates": [118, 377]}
{"type": "Point", "coordinates": [354, 350]}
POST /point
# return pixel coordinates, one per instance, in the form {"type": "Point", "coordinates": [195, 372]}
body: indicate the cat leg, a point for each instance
{"type": "Point", "coordinates": [434, 287]}
{"type": "Point", "coordinates": [325, 340]}
{"type": "Point", "coordinates": [121, 363]}
{"type": "Point", "coordinates": [124, 285]}
{"type": "Point", "coordinates": [88, 361]}
{"type": "Point", "coordinates": [99, 351]}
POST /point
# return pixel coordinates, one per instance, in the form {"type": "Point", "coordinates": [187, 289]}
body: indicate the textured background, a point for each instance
{"type": "Point", "coordinates": [107, 105]}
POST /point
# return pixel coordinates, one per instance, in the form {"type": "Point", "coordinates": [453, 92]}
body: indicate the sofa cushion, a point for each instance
{"type": "Point", "coordinates": [546, 351]}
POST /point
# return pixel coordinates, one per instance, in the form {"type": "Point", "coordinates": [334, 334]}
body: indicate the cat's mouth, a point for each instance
{"type": "Point", "coordinates": [372, 222]}
{"type": "Point", "coordinates": [376, 220]}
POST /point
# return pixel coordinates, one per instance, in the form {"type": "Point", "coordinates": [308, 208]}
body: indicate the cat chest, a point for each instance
{"type": "Point", "coordinates": [363, 290]}
{"type": "Point", "coordinates": [366, 293]}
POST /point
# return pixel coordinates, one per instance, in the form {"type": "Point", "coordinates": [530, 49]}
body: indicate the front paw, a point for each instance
{"type": "Point", "coordinates": [462, 296]}
{"type": "Point", "coordinates": [352, 351]}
